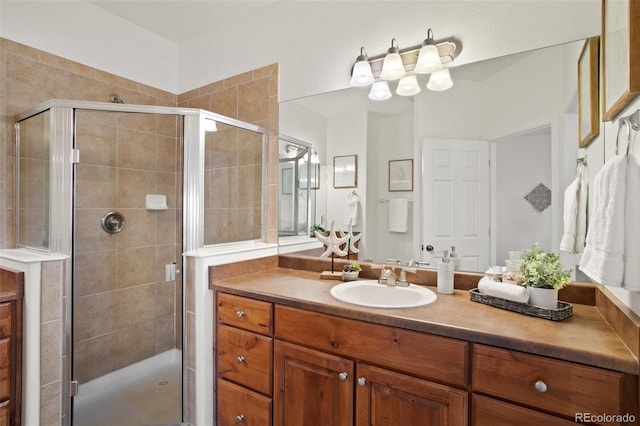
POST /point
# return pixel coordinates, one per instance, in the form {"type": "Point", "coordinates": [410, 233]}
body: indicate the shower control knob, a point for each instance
{"type": "Point", "coordinates": [240, 359]}
{"type": "Point", "coordinates": [240, 314]}
{"type": "Point", "coordinates": [239, 418]}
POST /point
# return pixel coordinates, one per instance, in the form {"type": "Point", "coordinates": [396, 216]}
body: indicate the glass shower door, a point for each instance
{"type": "Point", "coordinates": [127, 245]}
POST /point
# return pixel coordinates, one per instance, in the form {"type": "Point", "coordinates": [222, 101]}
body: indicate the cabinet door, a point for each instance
{"type": "Point", "coordinates": [388, 398]}
{"type": "Point", "coordinates": [311, 387]}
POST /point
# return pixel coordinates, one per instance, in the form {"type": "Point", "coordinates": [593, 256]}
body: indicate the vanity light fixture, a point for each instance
{"type": "Point", "coordinates": [405, 66]}
{"type": "Point", "coordinates": [361, 74]}
{"type": "Point", "coordinates": [428, 57]}
{"type": "Point", "coordinates": [380, 91]}
{"type": "Point", "coordinates": [392, 66]}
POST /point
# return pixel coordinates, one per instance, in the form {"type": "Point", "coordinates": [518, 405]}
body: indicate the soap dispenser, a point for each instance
{"type": "Point", "coordinates": [445, 275]}
{"type": "Point", "coordinates": [455, 259]}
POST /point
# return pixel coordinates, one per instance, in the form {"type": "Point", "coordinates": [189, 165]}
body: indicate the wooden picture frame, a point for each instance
{"type": "Point", "coordinates": [620, 55]}
{"type": "Point", "coordinates": [588, 114]}
{"type": "Point", "coordinates": [345, 171]}
{"type": "Point", "coordinates": [400, 177]}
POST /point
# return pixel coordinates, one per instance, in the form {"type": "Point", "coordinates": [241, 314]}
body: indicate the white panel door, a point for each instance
{"type": "Point", "coordinates": [456, 204]}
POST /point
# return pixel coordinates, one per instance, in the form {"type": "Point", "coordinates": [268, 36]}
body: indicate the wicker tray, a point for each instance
{"type": "Point", "coordinates": [564, 310]}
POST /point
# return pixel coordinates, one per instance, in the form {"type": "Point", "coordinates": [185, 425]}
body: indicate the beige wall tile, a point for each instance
{"type": "Point", "coordinates": [165, 333]}
{"type": "Point", "coordinates": [95, 315]}
{"type": "Point", "coordinates": [253, 101]}
{"type": "Point", "coordinates": [95, 357]}
{"type": "Point", "coordinates": [133, 187]}
{"type": "Point", "coordinates": [51, 295]}
{"type": "Point", "coordinates": [135, 266]}
{"type": "Point", "coordinates": [50, 404]}
{"type": "Point", "coordinates": [95, 186]}
{"type": "Point", "coordinates": [139, 230]}
{"type": "Point", "coordinates": [249, 188]}
{"type": "Point", "coordinates": [136, 150]}
{"type": "Point", "coordinates": [89, 233]}
{"type": "Point", "coordinates": [136, 343]}
{"type": "Point", "coordinates": [165, 298]}
{"type": "Point", "coordinates": [95, 272]}
{"type": "Point", "coordinates": [50, 352]}
{"type": "Point", "coordinates": [219, 188]}
{"type": "Point", "coordinates": [225, 102]}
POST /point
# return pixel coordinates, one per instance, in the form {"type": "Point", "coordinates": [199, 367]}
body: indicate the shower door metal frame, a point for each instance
{"type": "Point", "coordinates": [63, 157]}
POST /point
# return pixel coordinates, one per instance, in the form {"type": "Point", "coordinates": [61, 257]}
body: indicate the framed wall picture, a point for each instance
{"type": "Point", "coordinates": [588, 116]}
{"type": "Point", "coordinates": [620, 55]}
{"type": "Point", "coordinates": [345, 171]}
{"type": "Point", "coordinates": [401, 175]}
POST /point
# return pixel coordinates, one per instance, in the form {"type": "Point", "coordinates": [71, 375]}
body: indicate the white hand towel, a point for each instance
{"type": "Point", "coordinates": [511, 292]}
{"type": "Point", "coordinates": [398, 215]}
{"type": "Point", "coordinates": [602, 259]}
{"type": "Point", "coordinates": [632, 228]}
{"type": "Point", "coordinates": [570, 216]}
{"type": "Point", "coordinates": [351, 210]}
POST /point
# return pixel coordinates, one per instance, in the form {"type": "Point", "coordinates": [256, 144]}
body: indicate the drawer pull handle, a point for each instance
{"type": "Point", "coordinates": [240, 314]}
{"type": "Point", "coordinates": [239, 418]}
{"type": "Point", "coordinates": [362, 381]}
{"type": "Point", "coordinates": [540, 386]}
{"type": "Point", "coordinates": [240, 359]}
{"type": "Point", "coordinates": [343, 376]}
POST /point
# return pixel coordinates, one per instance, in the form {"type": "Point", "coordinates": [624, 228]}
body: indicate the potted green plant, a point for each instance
{"type": "Point", "coordinates": [319, 228]}
{"type": "Point", "coordinates": [351, 271]}
{"type": "Point", "coordinates": [544, 275]}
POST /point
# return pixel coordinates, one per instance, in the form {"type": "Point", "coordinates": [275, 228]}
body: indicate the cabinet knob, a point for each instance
{"type": "Point", "coordinates": [239, 418]}
{"type": "Point", "coordinates": [239, 314]}
{"type": "Point", "coordinates": [343, 376]}
{"type": "Point", "coordinates": [240, 359]}
{"type": "Point", "coordinates": [362, 381]}
{"type": "Point", "coordinates": [540, 386]}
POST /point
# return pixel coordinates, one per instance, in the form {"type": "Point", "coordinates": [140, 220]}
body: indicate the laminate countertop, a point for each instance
{"type": "Point", "coordinates": [586, 337]}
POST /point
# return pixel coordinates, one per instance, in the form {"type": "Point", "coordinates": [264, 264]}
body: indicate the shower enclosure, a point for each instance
{"type": "Point", "coordinates": [124, 191]}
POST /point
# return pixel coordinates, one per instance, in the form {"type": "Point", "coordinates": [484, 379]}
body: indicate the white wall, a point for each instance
{"type": "Point", "coordinates": [388, 138]}
{"type": "Point", "coordinates": [315, 42]}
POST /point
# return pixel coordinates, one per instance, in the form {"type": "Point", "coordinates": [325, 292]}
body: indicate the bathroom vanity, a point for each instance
{"type": "Point", "coordinates": [286, 352]}
{"type": "Point", "coordinates": [11, 295]}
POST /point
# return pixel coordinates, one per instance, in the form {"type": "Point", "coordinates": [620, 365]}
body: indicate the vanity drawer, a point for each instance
{"type": "Point", "coordinates": [563, 387]}
{"type": "Point", "coordinates": [5, 369]}
{"type": "Point", "coordinates": [250, 314]}
{"type": "Point", "coordinates": [491, 412]}
{"type": "Point", "coordinates": [427, 356]}
{"type": "Point", "coordinates": [237, 405]}
{"type": "Point", "coordinates": [5, 319]}
{"type": "Point", "coordinates": [245, 358]}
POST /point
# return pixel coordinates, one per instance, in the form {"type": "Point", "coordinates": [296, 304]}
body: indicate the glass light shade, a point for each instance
{"type": "Point", "coordinates": [428, 59]}
{"type": "Point", "coordinates": [408, 86]}
{"type": "Point", "coordinates": [362, 75]}
{"type": "Point", "coordinates": [380, 91]}
{"type": "Point", "coordinates": [392, 67]}
{"type": "Point", "coordinates": [440, 80]}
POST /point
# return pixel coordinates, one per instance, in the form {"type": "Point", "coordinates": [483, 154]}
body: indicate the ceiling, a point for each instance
{"type": "Point", "coordinates": [194, 17]}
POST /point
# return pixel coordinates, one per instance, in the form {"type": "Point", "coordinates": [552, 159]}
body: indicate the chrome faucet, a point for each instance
{"type": "Point", "coordinates": [387, 277]}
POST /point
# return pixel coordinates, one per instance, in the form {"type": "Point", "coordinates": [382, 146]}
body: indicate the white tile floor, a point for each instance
{"type": "Point", "coordinates": [142, 394]}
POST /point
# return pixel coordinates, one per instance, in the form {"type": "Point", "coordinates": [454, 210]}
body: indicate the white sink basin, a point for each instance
{"type": "Point", "coordinates": [370, 293]}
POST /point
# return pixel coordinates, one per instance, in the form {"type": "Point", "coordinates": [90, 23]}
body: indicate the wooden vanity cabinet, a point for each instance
{"type": "Point", "coordinates": [322, 361]}
{"type": "Point", "coordinates": [244, 361]}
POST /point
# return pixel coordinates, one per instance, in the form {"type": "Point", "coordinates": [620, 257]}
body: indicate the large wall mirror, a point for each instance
{"type": "Point", "coordinates": [491, 157]}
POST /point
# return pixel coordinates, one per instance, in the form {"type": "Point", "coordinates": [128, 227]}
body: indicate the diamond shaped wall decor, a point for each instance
{"type": "Point", "coordinates": [539, 197]}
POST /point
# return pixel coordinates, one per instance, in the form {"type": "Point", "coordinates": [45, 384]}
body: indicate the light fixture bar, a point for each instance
{"type": "Point", "coordinates": [410, 57]}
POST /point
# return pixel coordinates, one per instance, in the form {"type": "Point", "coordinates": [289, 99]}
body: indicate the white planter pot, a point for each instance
{"type": "Point", "coordinates": [350, 276]}
{"type": "Point", "coordinates": [543, 297]}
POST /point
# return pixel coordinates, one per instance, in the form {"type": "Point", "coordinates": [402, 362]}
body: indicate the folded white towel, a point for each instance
{"type": "Point", "coordinates": [398, 215]}
{"type": "Point", "coordinates": [511, 292]}
{"type": "Point", "coordinates": [602, 260]}
{"type": "Point", "coordinates": [351, 210]}
{"type": "Point", "coordinates": [631, 228]}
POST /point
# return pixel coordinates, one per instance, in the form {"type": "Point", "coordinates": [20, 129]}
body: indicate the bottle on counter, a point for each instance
{"type": "Point", "coordinates": [445, 275]}
{"type": "Point", "coordinates": [455, 259]}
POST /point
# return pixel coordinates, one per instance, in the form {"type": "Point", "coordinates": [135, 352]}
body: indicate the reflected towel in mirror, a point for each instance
{"type": "Point", "coordinates": [398, 215]}
{"type": "Point", "coordinates": [351, 210]}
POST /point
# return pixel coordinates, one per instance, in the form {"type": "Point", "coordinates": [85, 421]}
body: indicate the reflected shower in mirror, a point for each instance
{"type": "Point", "coordinates": [522, 107]}
{"type": "Point", "coordinates": [298, 180]}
